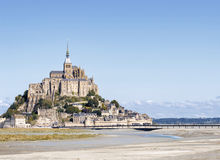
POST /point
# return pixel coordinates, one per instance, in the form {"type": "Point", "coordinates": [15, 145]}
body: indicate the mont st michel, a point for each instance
{"type": "Point", "coordinates": [109, 80]}
{"type": "Point", "coordinates": [68, 98]}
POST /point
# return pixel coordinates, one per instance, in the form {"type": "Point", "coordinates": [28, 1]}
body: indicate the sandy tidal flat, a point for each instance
{"type": "Point", "coordinates": [197, 144]}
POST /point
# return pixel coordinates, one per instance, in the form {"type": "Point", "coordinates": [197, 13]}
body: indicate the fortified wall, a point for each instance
{"type": "Point", "coordinates": [47, 118]}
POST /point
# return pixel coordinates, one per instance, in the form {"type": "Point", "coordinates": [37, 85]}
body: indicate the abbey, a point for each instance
{"type": "Point", "coordinates": [72, 81]}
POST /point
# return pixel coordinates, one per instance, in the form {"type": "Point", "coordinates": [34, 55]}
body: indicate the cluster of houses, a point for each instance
{"type": "Point", "coordinates": [16, 121]}
{"type": "Point", "coordinates": [110, 117]}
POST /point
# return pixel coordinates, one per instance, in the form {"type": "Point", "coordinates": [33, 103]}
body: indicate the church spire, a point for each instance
{"type": "Point", "coordinates": [67, 51]}
{"type": "Point", "coordinates": [67, 60]}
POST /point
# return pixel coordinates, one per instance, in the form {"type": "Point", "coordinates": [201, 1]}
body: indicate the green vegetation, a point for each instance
{"type": "Point", "coordinates": [91, 93]}
{"type": "Point", "coordinates": [70, 99]}
{"type": "Point", "coordinates": [32, 118]}
{"type": "Point", "coordinates": [103, 107]}
{"type": "Point", "coordinates": [13, 109]}
{"type": "Point", "coordinates": [61, 101]}
{"type": "Point", "coordinates": [24, 137]}
{"type": "Point", "coordinates": [57, 93]}
{"type": "Point", "coordinates": [60, 110]}
{"type": "Point", "coordinates": [42, 104]}
{"type": "Point", "coordinates": [98, 97]}
{"type": "Point", "coordinates": [116, 103]}
{"type": "Point", "coordinates": [39, 130]}
{"type": "Point", "coordinates": [87, 110]}
{"type": "Point", "coordinates": [20, 99]}
{"type": "Point", "coordinates": [71, 110]}
{"type": "Point", "coordinates": [94, 103]}
{"type": "Point", "coordinates": [98, 112]}
{"type": "Point", "coordinates": [10, 112]}
{"type": "Point", "coordinates": [25, 134]}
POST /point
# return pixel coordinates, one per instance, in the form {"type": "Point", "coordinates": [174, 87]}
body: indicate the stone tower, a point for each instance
{"type": "Point", "coordinates": [67, 68]}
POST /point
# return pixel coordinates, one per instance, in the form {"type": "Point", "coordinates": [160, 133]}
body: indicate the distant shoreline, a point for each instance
{"type": "Point", "coordinates": [187, 120]}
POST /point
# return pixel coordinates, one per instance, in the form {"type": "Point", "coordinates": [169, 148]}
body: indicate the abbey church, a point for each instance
{"type": "Point", "coordinates": [72, 81]}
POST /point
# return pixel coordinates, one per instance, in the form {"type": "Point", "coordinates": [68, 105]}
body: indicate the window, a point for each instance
{"type": "Point", "coordinates": [68, 66]}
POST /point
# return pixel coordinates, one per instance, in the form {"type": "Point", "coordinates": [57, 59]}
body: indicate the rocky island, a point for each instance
{"type": "Point", "coordinates": [67, 98]}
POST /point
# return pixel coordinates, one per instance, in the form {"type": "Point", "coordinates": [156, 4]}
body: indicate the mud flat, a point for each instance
{"type": "Point", "coordinates": [165, 144]}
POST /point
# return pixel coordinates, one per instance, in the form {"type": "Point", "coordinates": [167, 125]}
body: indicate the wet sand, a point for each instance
{"type": "Point", "coordinates": [197, 144]}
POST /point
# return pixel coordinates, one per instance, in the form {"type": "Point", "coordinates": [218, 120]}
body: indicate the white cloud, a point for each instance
{"type": "Point", "coordinates": [138, 102]}
{"type": "Point", "coordinates": [192, 109]}
{"type": "Point", "coordinates": [149, 101]}
{"type": "Point", "coordinates": [4, 104]}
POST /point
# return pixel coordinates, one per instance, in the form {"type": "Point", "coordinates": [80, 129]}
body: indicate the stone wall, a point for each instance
{"type": "Point", "coordinates": [65, 87]}
{"type": "Point", "coordinates": [2, 121]}
{"type": "Point", "coordinates": [110, 123]}
{"type": "Point", "coordinates": [71, 124]}
{"type": "Point", "coordinates": [47, 118]}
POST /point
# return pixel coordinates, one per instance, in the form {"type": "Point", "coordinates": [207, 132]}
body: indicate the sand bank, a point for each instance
{"type": "Point", "coordinates": [198, 144]}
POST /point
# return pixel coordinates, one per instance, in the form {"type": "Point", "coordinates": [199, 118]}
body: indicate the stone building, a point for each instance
{"type": "Point", "coordinates": [112, 110]}
{"type": "Point", "coordinates": [47, 118]}
{"type": "Point", "coordinates": [16, 121]}
{"type": "Point", "coordinates": [72, 81]}
{"type": "Point", "coordinates": [2, 121]}
{"type": "Point", "coordinates": [81, 117]}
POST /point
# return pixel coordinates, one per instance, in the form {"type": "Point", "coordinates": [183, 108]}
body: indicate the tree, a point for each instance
{"type": "Point", "coordinates": [98, 112]}
{"type": "Point", "coordinates": [10, 112]}
{"type": "Point", "coordinates": [60, 110]}
{"type": "Point", "coordinates": [42, 104]}
{"type": "Point", "coordinates": [87, 110]}
{"type": "Point", "coordinates": [45, 103]}
{"type": "Point", "coordinates": [18, 98]}
{"type": "Point", "coordinates": [116, 103]}
{"type": "Point", "coordinates": [31, 118]}
{"type": "Point", "coordinates": [25, 95]}
{"type": "Point", "coordinates": [100, 98]}
{"type": "Point", "coordinates": [14, 106]}
{"type": "Point", "coordinates": [66, 105]}
{"type": "Point", "coordinates": [91, 93]}
{"type": "Point", "coordinates": [94, 103]}
{"type": "Point", "coordinates": [103, 107]}
{"type": "Point", "coordinates": [71, 110]}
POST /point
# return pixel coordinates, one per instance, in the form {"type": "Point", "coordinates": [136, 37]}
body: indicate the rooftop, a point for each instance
{"type": "Point", "coordinates": [57, 72]}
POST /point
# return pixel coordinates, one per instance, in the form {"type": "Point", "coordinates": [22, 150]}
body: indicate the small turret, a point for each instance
{"type": "Point", "coordinates": [83, 74]}
{"type": "Point", "coordinates": [80, 74]}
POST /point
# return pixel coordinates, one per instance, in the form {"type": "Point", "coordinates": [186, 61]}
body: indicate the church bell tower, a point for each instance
{"type": "Point", "coordinates": [67, 68]}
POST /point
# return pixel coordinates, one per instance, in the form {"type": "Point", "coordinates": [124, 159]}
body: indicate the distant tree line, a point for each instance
{"type": "Point", "coordinates": [187, 121]}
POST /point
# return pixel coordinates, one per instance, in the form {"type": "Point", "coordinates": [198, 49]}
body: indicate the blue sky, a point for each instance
{"type": "Point", "coordinates": [135, 49]}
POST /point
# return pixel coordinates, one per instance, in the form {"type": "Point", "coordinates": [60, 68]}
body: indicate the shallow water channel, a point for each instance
{"type": "Point", "coordinates": [109, 137]}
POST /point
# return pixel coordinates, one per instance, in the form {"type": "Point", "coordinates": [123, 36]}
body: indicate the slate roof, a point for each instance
{"type": "Point", "coordinates": [56, 72]}
{"type": "Point", "coordinates": [74, 80]}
